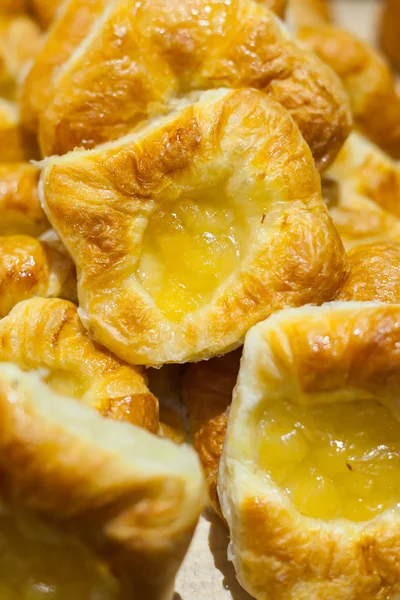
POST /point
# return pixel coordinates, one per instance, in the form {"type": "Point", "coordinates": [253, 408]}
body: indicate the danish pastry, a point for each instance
{"type": "Point", "coordinates": [90, 507]}
{"type": "Point", "coordinates": [390, 31]}
{"type": "Point", "coordinates": [362, 191]}
{"type": "Point", "coordinates": [29, 267]}
{"type": "Point", "coordinates": [21, 212]}
{"type": "Point", "coordinates": [309, 477]}
{"type": "Point", "coordinates": [47, 335]}
{"type": "Point", "coordinates": [140, 56]}
{"type": "Point", "coordinates": [194, 228]}
{"type": "Point", "coordinates": [15, 146]}
{"type": "Point", "coordinates": [45, 11]}
{"type": "Point", "coordinates": [364, 73]}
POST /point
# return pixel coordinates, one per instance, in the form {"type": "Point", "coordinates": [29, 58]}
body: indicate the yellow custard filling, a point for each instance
{"type": "Point", "coordinates": [37, 563]}
{"type": "Point", "coordinates": [338, 460]}
{"type": "Point", "coordinates": [190, 247]}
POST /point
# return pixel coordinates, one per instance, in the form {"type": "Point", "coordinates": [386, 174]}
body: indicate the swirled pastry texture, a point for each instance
{"type": "Point", "coordinates": [309, 476]}
{"type": "Point", "coordinates": [194, 228]}
{"type": "Point", "coordinates": [365, 74]}
{"type": "Point", "coordinates": [46, 335]}
{"type": "Point", "coordinates": [118, 503]}
{"type": "Point", "coordinates": [362, 191]}
{"type": "Point", "coordinates": [140, 56]}
{"type": "Point", "coordinates": [390, 31]}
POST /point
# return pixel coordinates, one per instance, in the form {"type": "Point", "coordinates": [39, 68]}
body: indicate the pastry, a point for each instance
{"type": "Point", "coordinates": [362, 191]}
{"type": "Point", "coordinates": [364, 73]}
{"type": "Point", "coordinates": [21, 212]}
{"type": "Point", "coordinates": [207, 393]}
{"type": "Point", "coordinates": [29, 267]}
{"type": "Point", "coordinates": [390, 31]}
{"type": "Point", "coordinates": [140, 56]}
{"type": "Point", "coordinates": [165, 384]}
{"type": "Point", "coordinates": [45, 11]}
{"type": "Point", "coordinates": [309, 477]}
{"type": "Point", "coordinates": [15, 146]}
{"type": "Point", "coordinates": [46, 335]}
{"type": "Point", "coordinates": [91, 508]}
{"type": "Point", "coordinates": [194, 228]}
{"type": "Point", "coordinates": [374, 273]}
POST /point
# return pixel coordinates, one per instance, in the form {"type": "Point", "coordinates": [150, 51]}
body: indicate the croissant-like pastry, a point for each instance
{"type": "Point", "coordinates": [390, 31]}
{"type": "Point", "coordinates": [21, 212]}
{"type": "Point", "coordinates": [310, 472]}
{"type": "Point", "coordinates": [15, 145]}
{"type": "Point", "coordinates": [47, 335]}
{"type": "Point", "coordinates": [362, 191]}
{"type": "Point", "coordinates": [191, 230]}
{"type": "Point", "coordinates": [29, 267]}
{"type": "Point", "coordinates": [45, 11]}
{"type": "Point", "coordinates": [90, 507]}
{"type": "Point", "coordinates": [364, 73]}
{"type": "Point", "coordinates": [140, 56]}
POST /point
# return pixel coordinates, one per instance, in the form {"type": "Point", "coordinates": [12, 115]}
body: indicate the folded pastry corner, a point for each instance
{"type": "Point", "coordinates": [101, 508]}
{"type": "Point", "coordinates": [309, 477]}
{"type": "Point", "coordinates": [193, 228]}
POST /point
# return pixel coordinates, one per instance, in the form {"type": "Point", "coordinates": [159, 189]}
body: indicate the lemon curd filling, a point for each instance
{"type": "Point", "coordinates": [190, 247]}
{"type": "Point", "coordinates": [338, 460]}
{"type": "Point", "coordinates": [38, 563]}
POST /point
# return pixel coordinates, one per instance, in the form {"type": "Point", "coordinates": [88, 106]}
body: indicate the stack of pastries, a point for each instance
{"type": "Point", "coordinates": [199, 297]}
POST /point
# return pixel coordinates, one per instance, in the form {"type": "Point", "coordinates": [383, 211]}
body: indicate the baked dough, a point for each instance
{"type": "Point", "coordinates": [207, 393]}
{"type": "Point", "coordinates": [47, 335]}
{"type": "Point", "coordinates": [45, 11]}
{"type": "Point", "coordinates": [140, 56]}
{"type": "Point", "coordinates": [78, 490]}
{"type": "Point", "coordinates": [21, 212]}
{"type": "Point", "coordinates": [15, 146]}
{"type": "Point", "coordinates": [227, 184]}
{"type": "Point", "coordinates": [364, 73]}
{"type": "Point", "coordinates": [313, 504]}
{"type": "Point", "coordinates": [362, 191]}
{"type": "Point", "coordinates": [390, 31]}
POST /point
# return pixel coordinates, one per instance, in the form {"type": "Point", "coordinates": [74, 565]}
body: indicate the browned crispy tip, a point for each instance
{"type": "Point", "coordinates": [207, 393]}
{"type": "Point", "coordinates": [131, 499]}
{"type": "Point", "coordinates": [390, 31]}
{"type": "Point", "coordinates": [47, 335]}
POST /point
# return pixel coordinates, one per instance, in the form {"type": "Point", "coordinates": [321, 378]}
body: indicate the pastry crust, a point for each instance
{"type": "Point", "coordinates": [374, 274]}
{"type": "Point", "coordinates": [364, 73]}
{"type": "Point", "coordinates": [362, 191]}
{"type": "Point", "coordinates": [132, 499]}
{"type": "Point", "coordinates": [15, 145]}
{"type": "Point", "coordinates": [291, 254]}
{"type": "Point", "coordinates": [390, 31]}
{"type": "Point", "coordinates": [342, 350]}
{"type": "Point", "coordinates": [45, 11]}
{"type": "Point", "coordinates": [207, 393]}
{"type": "Point", "coordinates": [21, 211]}
{"type": "Point", "coordinates": [154, 51]}
{"type": "Point", "coordinates": [47, 335]}
{"type": "Point", "coordinates": [29, 267]}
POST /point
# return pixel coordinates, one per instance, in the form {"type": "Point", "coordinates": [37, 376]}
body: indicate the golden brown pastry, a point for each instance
{"type": "Point", "coordinates": [374, 273]}
{"type": "Point", "coordinates": [390, 31]}
{"type": "Point", "coordinates": [91, 508]}
{"type": "Point", "coordinates": [45, 11]}
{"type": "Point", "coordinates": [140, 57]}
{"type": "Point", "coordinates": [309, 480]}
{"type": "Point", "coordinates": [19, 41]}
{"type": "Point", "coordinates": [21, 212]}
{"type": "Point", "coordinates": [47, 335]}
{"type": "Point", "coordinates": [362, 191]}
{"type": "Point", "coordinates": [207, 392]}
{"type": "Point", "coordinates": [194, 228]}
{"type": "Point", "coordinates": [15, 145]}
{"type": "Point", "coordinates": [29, 267]}
{"type": "Point", "coordinates": [368, 80]}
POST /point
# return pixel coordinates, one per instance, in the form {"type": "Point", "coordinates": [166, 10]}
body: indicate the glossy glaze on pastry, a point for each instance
{"type": "Point", "coordinates": [46, 335]}
{"type": "Point", "coordinates": [364, 73]}
{"type": "Point", "coordinates": [309, 480]}
{"type": "Point", "coordinates": [139, 57]}
{"type": "Point", "coordinates": [208, 221]}
{"type": "Point", "coordinates": [390, 31]}
{"type": "Point", "coordinates": [362, 192]}
{"type": "Point", "coordinates": [98, 509]}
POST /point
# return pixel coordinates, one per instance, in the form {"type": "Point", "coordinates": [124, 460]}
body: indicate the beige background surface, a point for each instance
{"type": "Point", "coordinates": [206, 573]}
